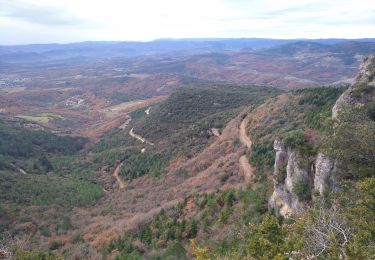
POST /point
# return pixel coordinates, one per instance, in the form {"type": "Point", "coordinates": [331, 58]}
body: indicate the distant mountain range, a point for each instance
{"type": "Point", "coordinates": [101, 50]}
{"type": "Point", "coordinates": [166, 63]}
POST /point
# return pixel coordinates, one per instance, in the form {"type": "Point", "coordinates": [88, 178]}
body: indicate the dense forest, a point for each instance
{"type": "Point", "coordinates": [40, 168]}
{"type": "Point", "coordinates": [180, 126]}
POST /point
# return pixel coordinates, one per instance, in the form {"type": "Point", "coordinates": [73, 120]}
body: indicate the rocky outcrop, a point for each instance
{"type": "Point", "coordinates": [297, 178]}
{"type": "Point", "coordinates": [280, 199]}
{"type": "Point", "coordinates": [361, 90]}
{"type": "Point", "coordinates": [324, 178]}
{"type": "Point", "coordinates": [317, 174]}
{"type": "Point", "coordinates": [288, 172]}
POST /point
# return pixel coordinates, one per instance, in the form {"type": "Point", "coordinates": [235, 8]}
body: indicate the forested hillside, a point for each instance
{"type": "Point", "coordinates": [214, 171]}
{"type": "Point", "coordinates": [58, 172]}
{"type": "Point", "coordinates": [181, 126]}
{"type": "Point", "coordinates": [330, 222]}
{"type": "Point", "coordinates": [219, 221]}
{"type": "Point", "coordinates": [38, 170]}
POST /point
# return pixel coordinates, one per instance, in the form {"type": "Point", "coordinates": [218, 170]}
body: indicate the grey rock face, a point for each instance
{"type": "Point", "coordinates": [281, 156]}
{"type": "Point", "coordinates": [323, 179]}
{"type": "Point", "coordinates": [318, 172]}
{"type": "Point", "coordinates": [287, 172]}
{"type": "Point", "coordinates": [364, 79]}
{"type": "Point", "coordinates": [290, 167]}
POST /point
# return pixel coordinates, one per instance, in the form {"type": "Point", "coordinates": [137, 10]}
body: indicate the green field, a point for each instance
{"type": "Point", "coordinates": [42, 118]}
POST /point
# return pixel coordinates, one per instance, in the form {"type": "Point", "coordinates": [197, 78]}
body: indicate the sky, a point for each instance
{"type": "Point", "coordinates": [62, 21]}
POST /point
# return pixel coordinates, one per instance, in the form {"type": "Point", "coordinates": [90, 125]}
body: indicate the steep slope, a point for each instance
{"type": "Point", "coordinates": [292, 125]}
{"type": "Point", "coordinates": [327, 168]}
{"type": "Point", "coordinates": [318, 173]}
{"type": "Point", "coordinates": [297, 126]}
{"type": "Point", "coordinates": [362, 89]}
{"type": "Point", "coordinates": [196, 150]}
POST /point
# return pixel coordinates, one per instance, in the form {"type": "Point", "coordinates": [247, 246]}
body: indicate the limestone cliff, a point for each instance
{"type": "Point", "coordinates": [361, 91]}
{"type": "Point", "coordinates": [324, 178]}
{"type": "Point", "coordinates": [297, 178]}
{"type": "Point", "coordinates": [287, 172]}
{"type": "Point", "coordinates": [295, 175]}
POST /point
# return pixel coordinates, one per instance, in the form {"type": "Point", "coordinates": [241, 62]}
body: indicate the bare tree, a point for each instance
{"type": "Point", "coordinates": [327, 229]}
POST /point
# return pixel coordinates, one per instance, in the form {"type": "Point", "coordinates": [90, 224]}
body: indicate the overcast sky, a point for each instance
{"type": "Point", "coordinates": [46, 21]}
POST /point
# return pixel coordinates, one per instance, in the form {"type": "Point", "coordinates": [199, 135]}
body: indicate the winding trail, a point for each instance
{"type": "Point", "coordinates": [125, 124]}
{"type": "Point", "coordinates": [118, 178]}
{"type": "Point", "coordinates": [244, 138]}
{"type": "Point", "coordinates": [138, 137]}
{"type": "Point", "coordinates": [247, 169]}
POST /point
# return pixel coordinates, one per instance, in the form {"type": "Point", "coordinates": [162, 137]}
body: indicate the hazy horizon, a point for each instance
{"type": "Point", "coordinates": [185, 39]}
{"type": "Point", "coordinates": [42, 21]}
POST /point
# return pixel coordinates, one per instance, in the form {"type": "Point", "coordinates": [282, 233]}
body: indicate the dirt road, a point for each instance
{"type": "Point", "coordinates": [125, 124]}
{"type": "Point", "coordinates": [118, 178]}
{"type": "Point", "coordinates": [244, 138]}
{"type": "Point", "coordinates": [138, 137]}
{"type": "Point", "coordinates": [247, 169]}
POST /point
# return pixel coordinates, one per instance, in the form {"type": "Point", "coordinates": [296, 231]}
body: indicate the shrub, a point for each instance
{"type": "Point", "coordinates": [371, 110]}
{"type": "Point", "coordinates": [65, 224]}
{"type": "Point", "coordinates": [175, 251]}
{"type": "Point", "coordinates": [134, 255]}
{"type": "Point", "coordinates": [200, 253]}
{"type": "Point", "coordinates": [145, 235]}
{"type": "Point", "coordinates": [282, 173]}
{"type": "Point", "coordinates": [262, 154]}
{"type": "Point", "coordinates": [362, 89]}
{"type": "Point", "coordinates": [302, 189]}
{"type": "Point", "coordinates": [225, 214]}
{"type": "Point", "coordinates": [44, 231]}
{"type": "Point", "coordinates": [294, 138]}
{"type": "Point", "coordinates": [55, 245]}
{"type": "Point", "coordinates": [266, 239]}
{"type": "Point", "coordinates": [193, 229]}
{"type": "Point", "coordinates": [21, 254]}
{"type": "Point", "coordinates": [230, 198]}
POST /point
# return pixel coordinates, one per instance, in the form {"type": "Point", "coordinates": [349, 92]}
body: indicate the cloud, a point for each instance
{"type": "Point", "coordinates": [38, 14]}
{"type": "Point", "coordinates": [77, 20]}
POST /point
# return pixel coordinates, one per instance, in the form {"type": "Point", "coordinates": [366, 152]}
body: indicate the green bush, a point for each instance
{"type": "Point", "coordinates": [65, 224]}
{"type": "Point", "coordinates": [224, 215]}
{"type": "Point", "coordinates": [302, 189]}
{"type": "Point", "coordinates": [133, 255]}
{"type": "Point", "coordinates": [193, 229]}
{"type": "Point", "coordinates": [267, 239]}
{"type": "Point", "coordinates": [174, 251]}
{"type": "Point", "coordinates": [145, 234]}
{"type": "Point", "coordinates": [230, 197]}
{"type": "Point", "coordinates": [371, 110]}
{"type": "Point", "coordinates": [21, 254]}
{"type": "Point", "coordinates": [262, 154]}
{"type": "Point", "coordinates": [282, 173]}
{"type": "Point", "coordinates": [55, 245]}
{"type": "Point", "coordinates": [294, 138]}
